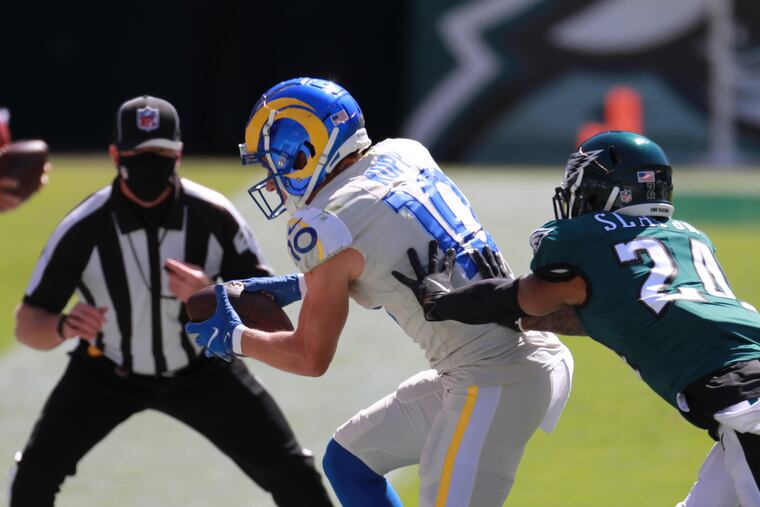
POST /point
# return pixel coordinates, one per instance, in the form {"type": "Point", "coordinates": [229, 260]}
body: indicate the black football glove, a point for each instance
{"type": "Point", "coordinates": [430, 284]}
{"type": "Point", "coordinates": [490, 263]}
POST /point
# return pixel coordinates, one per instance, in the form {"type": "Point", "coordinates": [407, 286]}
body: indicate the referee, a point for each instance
{"type": "Point", "coordinates": [133, 252]}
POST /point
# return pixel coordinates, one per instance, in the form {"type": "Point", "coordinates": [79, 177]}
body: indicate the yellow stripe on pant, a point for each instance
{"type": "Point", "coordinates": [456, 440]}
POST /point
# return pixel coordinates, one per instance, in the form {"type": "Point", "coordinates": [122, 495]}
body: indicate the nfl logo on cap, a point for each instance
{"type": "Point", "coordinates": [147, 118]}
{"type": "Point", "coordinates": [147, 122]}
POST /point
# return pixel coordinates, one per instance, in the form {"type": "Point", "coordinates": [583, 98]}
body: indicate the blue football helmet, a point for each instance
{"type": "Point", "coordinates": [299, 131]}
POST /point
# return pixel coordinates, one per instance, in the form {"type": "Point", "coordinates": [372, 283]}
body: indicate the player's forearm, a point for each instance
{"type": "Point", "coordinates": [481, 302]}
{"type": "Point", "coordinates": [37, 328]}
{"type": "Point", "coordinates": [540, 297]}
{"type": "Point", "coordinates": [310, 348]}
{"type": "Point", "coordinates": [286, 350]}
{"type": "Point", "coordinates": [563, 321]}
{"type": "Point", "coordinates": [504, 301]}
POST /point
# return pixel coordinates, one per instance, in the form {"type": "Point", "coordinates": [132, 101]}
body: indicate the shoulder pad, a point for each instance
{"type": "Point", "coordinates": [537, 236]}
{"type": "Point", "coordinates": [315, 235]}
{"type": "Point", "coordinates": [553, 250]}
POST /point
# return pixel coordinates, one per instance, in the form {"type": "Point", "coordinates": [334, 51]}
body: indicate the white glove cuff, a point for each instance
{"type": "Point", "coordinates": [237, 337]}
{"type": "Point", "coordinates": [520, 326]}
{"type": "Point", "coordinates": [302, 285]}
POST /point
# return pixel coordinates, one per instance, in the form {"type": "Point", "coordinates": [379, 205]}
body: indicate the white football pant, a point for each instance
{"type": "Point", "coordinates": [468, 440]}
{"type": "Point", "coordinates": [726, 479]}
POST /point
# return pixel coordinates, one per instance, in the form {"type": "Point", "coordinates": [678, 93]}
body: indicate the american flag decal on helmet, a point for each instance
{"type": "Point", "coordinates": [645, 176]}
{"type": "Point", "coordinates": [339, 117]}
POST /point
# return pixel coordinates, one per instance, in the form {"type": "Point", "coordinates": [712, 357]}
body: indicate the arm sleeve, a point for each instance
{"type": "Point", "coordinates": [59, 269]}
{"type": "Point", "coordinates": [483, 302]}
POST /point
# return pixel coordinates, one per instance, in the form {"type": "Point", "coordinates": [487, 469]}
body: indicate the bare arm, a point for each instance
{"type": "Point", "coordinates": [539, 297]}
{"type": "Point", "coordinates": [38, 328]}
{"type": "Point", "coordinates": [309, 349]}
{"type": "Point", "coordinates": [562, 321]}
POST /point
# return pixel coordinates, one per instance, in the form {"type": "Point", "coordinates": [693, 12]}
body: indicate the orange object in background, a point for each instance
{"type": "Point", "coordinates": [623, 110]}
{"type": "Point", "coordinates": [589, 129]}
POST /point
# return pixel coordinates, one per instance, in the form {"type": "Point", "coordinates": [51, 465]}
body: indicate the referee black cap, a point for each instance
{"type": "Point", "coordinates": [147, 122]}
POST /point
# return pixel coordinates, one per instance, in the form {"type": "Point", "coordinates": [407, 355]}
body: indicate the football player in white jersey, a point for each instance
{"type": "Point", "coordinates": [354, 210]}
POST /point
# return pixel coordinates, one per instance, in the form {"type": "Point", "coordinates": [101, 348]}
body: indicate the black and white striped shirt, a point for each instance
{"type": "Point", "coordinates": [110, 258]}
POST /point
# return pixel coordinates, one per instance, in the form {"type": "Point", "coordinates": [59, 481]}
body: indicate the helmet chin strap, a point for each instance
{"type": "Point", "coordinates": [266, 137]}
{"type": "Point", "coordinates": [265, 134]}
{"type": "Point", "coordinates": [611, 199]}
{"type": "Point", "coordinates": [299, 202]}
{"type": "Point", "coordinates": [573, 191]}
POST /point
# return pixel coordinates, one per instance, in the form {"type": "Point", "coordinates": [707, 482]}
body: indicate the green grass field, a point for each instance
{"type": "Point", "coordinates": [616, 444]}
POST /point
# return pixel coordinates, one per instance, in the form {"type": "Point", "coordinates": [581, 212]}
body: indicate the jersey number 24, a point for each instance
{"type": "Point", "coordinates": [655, 291]}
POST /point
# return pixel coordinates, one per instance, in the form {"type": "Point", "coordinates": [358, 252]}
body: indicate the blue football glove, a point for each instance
{"type": "Point", "coordinates": [220, 334]}
{"type": "Point", "coordinates": [284, 289]}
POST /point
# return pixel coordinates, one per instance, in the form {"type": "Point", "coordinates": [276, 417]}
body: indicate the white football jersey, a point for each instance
{"type": "Point", "coordinates": [395, 197]}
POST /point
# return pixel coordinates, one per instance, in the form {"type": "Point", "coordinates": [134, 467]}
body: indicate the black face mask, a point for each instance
{"type": "Point", "coordinates": [147, 174]}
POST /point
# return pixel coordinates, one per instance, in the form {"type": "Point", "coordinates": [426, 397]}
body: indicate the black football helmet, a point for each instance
{"type": "Point", "coordinates": [616, 170]}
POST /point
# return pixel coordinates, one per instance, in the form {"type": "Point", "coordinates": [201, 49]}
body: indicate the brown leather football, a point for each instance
{"type": "Point", "coordinates": [256, 309]}
{"type": "Point", "coordinates": [24, 161]}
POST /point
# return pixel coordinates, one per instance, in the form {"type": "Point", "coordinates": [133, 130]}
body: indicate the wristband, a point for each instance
{"type": "Point", "coordinates": [59, 327]}
{"type": "Point", "coordinates": [237, 337]}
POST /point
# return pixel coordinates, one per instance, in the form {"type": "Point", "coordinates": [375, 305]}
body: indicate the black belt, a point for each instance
{"type": "Point", "coordinates": [84, 353]}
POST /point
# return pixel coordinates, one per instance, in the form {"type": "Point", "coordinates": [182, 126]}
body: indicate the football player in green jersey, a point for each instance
{"type": "Point", "coordinates": [645, 285]}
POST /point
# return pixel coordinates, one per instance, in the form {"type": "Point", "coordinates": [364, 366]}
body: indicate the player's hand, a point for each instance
{"type": "Point", "coordinates": [185, 279]}
{"type": "Point", "coordinates": [216, 333]}
{"type": "Point", "coordinates": [8, 201]}
{"type": "Point", "coordinates": [490, 263]}
{"type": "Point", "coordinates": [430, 284]}
{"type": "Point", "coordinates": [284, 289]}
{"type": "Point", "coordinates": [84, 321]}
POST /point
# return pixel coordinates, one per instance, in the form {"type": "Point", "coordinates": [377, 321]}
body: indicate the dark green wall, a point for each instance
{"type": "Point", "coordinates": [66, 66]}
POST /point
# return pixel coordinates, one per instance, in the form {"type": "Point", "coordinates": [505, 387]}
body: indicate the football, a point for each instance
{"type": "Point", "coordinates": [24, 161]}
{"type": "Point", "coordinates": [256, 309]}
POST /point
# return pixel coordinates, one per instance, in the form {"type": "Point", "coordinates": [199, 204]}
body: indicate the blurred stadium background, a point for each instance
{"type": "Point", "coordinates": [500, 90]}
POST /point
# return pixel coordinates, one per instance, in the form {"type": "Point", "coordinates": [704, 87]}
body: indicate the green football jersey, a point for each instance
{"type": "Point", "coordinates": [656, 295]}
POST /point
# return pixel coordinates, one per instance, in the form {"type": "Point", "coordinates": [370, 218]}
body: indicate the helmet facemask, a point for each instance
{"type": "Point", "coordinates": [270, 205]}
{"type": "Point", "coordinates": [570, 199]}
{"type": "Point", "coordinates": [261, 192]}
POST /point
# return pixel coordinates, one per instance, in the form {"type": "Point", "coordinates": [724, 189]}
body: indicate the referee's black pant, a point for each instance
{"type": "Point", "coordinates": [223, 402]}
